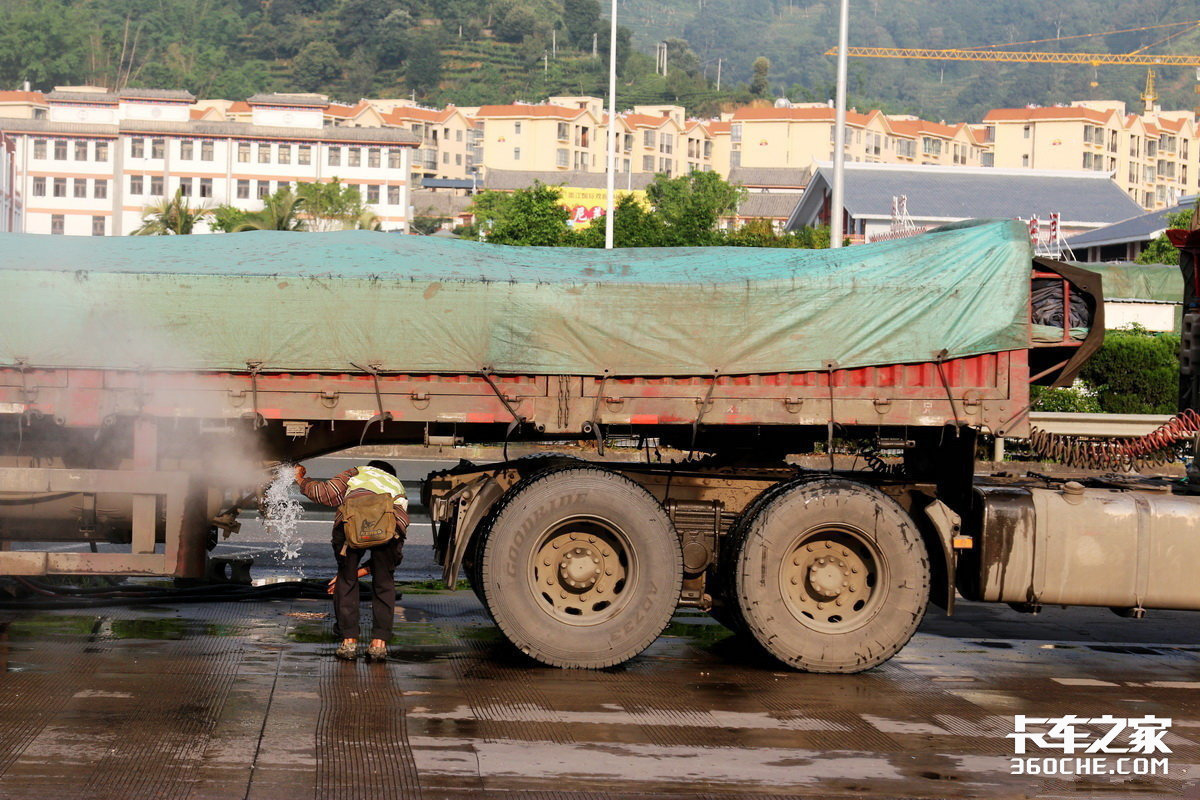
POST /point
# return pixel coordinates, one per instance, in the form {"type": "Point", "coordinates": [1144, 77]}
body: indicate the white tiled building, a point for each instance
{"type": "Point", "coordinates": [98, 159]}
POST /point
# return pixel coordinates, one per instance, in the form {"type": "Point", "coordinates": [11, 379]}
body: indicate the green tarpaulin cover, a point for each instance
{"type": "Point", "coordinates": [1130, 281]}
{"type": "Point", "coordinates": [322, 301]}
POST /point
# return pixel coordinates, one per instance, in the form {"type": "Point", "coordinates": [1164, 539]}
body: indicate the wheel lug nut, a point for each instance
{"type": "Point", "coordinates": [828, 546]}
{"type": "Point", "coordinates": [838, 601]}
{"type": "Point", "coordinates": [591, 538]}
{"type": "Point", "coordinates": [809, 548]}
{"type": "Point", "coordinates": [854, 570]}
{"type": "Point", "coordinates": [796, 561]}
{"type": "Point", "coordinates": [608, 572]}
{"type": "Point", "coordinates": [852, 588]}
{"type": "Point", "coordinates": [820, 605]}
{"type": "Point", "coordinates": [795, 581]}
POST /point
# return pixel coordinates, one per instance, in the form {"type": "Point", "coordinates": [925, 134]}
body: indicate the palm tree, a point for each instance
{"type": "Point", "coordinates": [170, 216]}
{"type": "Point", "coordinates": [280, 212]}
{"type": "Point", "coordinates": [367, 220]}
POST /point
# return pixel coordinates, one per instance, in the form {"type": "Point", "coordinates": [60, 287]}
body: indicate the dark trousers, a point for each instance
{"type": "Point", "coordinates": [384, 559]}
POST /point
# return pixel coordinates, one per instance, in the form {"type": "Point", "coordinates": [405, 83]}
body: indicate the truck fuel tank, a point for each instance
{"type": "Point", "coordinates": [1087, 546]}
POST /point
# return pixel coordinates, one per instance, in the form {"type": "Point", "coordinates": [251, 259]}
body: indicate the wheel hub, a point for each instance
{"type": "Point", "coordinates": [828, 579]}
{"type": "Point", "coordinates": [580, 567]}
{"type": "Point", "coordinates": [580, 571]}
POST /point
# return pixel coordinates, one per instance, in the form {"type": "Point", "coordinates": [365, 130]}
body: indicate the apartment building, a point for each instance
{"type": "Point", "coordinates": [100, 158]}
{"type": "Point", "coordinates": [449, 147]}
{"type": "Point", "coordinates": [797, 135]}
{"type": "Point", "coordinates": [1152, 156]}
{"type": "Point", "coordinates": [540, 138]}
{"type": "Point", "coordinates": [23, 104]}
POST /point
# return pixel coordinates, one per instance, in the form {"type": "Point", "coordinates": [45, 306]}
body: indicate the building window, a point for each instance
{"type": "Point", "coordinates": [102, 151]}
{"type": "Point", "coordinates": [185, 187]}
{"type": "Point", "coordinates": [206, 151]}
{"type": "Point", "coordinates": [458, 135]}
{"type": "Point", "coordinates": [100, 189]}
{"type": "Point", "coordinates": [60, 187]}
{"type": "Point", "coordinates": [517, 127]}
{"type": "Point", "coordinates": [39, 187]}
{"type": "Point", "coordinates": [373, 193]}
{"type": "Point", "coordinates": [647, 163]}
{"type": "Point", "coordinates": [648, 139]}
{"type": "Point", "coordinates": [516, 154]}
{"type": "Point", "coordinates": [186, 149]}
{"type": "Point", "coordinates": [56, 223]}
{"type": "Point", "coordinates": [445, 158]}
{"type": "Point", "coordinates": [354, 157]}
{"type": "Point", "coordinates": [1027, 131]}
{"type": "Point", "coordinates": [243, 152]}
{"type": "Point", "coordinates": [60, 149]}
{"type": "Point", "coordinates": [564, 131]}
{"type": "Point", "coordinates": [264, 189]}
{"type": "Point", "coordinates": [137, 148]}
{"type": "Point", "coordinates": [373, 157]}
{"type": "Point", "coordinates": [562, 157]}
{"type": "Point", "coordinates": [393, 195]}
{"type": "Point", "coordinates": [206, 187]}
{"type": "Point", "coordinates": [285, 154]}
{"type": "Point", "coordinates": [304, 154]}
{"type": "Point", "coordinates": [707, 148]}
{"type": "Point", "coordinates": [394, 158]}
{"type": "Point", "coordinates": [158, 148]}
{"type": "Point", "coordinates": [97, 226]}
{"type": "Point", "coordinates": [666, 143]}
{"type": "Point", "coordinates": [81, 151]}
{"type": "Point", "coordinates": [39, 148]}
{"type": "Point", "coordinates": [80, 187]}
{"type": "Point", "coordinates": [243, 188]}
{"type": "Point", "coordinates": [335, 156]}
{"type": "Point", "coordinates": [458, 159]}
{"type": "Point", "coordinates": [264, 153]}
{"type": "Point", "coordinates": [1025, 160]}
{"type": "Point", "coordinates": [136, 185]}
{"type": "Point", "coordinates": [1087, 160]}
{"type": "Point", "coordinates": [156, 185]}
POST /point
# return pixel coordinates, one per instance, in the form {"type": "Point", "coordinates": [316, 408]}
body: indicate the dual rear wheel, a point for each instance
{"type": "Point", "coordinates": [581, 567]}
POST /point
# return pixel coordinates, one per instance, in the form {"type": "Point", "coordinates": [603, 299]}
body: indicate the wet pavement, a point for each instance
{"type": "Point", "coordinates": [244, 700]}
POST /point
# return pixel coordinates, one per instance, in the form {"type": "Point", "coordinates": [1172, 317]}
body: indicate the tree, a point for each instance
{"type": "Point", "coordinates": [332, 206]}
{"type": "Point", "coordinates": [759, 83]}
{"type": "Point", "coordinates": [316, 65]}
{"type": "Point", "coordinates": [280, 212]}
{"type": "Point", "coordinates": [227, 218]}
{"type": "Point", "coordinates": [423, 69]}
{"type": "Point", "coordinates": [517, 23]}
{"type": "Point", "coordinates": [428, 224]}
{"type": "Point", "coordinates": [691, 204]}
{"type": "Point", "coordinates": [634, 225]}
{"type": "Point", "coordinates": [1160, 250]}
{"type": "Point", "coordinates": [170, 216]}
{"type": "Point", "coordinates": [532, 216]}
{"type": "Point", "coordinates": [1135, 372]}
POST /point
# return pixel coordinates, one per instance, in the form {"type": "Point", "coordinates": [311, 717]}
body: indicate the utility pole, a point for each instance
{"type": "Point", "coordinates": [612, 128]}
{"type": "Point", "coordinates": [594, 51]}
{"type": "Point", "coordinates": [837, 201]}
{"type": "Point", "coordinates": [554, 42]}
{"type": "Point", "coordinates": [719, 74]}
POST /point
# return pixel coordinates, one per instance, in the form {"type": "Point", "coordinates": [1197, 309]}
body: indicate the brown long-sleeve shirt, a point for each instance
{"type": "Point", "coordinates": [334, 491]}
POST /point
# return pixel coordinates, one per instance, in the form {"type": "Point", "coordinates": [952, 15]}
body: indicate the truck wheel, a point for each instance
{"type": "Point", "coordinates": [831, 576]}
{"type": "Point", "coordinates": [581, 567]}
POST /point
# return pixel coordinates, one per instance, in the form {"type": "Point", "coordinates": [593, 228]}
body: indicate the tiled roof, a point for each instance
{"type": "Point", "coordinates": [512, 179]}
{"type": "Point", "coordinates": [952, 193]}
{"type": "Point", "coordinates": [204, 128]}
{"type": "Point", "coordinates": [717, 126]}
{"type": "Point", "coordinates": [173, 95]}
{"type": "Point", "coordinates": [299, 100]}
{"type": "Point", "coordinates": [439, 204]}
{"type": "Point", "coordinates": [644, 120]}
{"type": "Point", "coordinates": [783, 177]}
{"type": "Point", "coordinates": [522, 110]}
{"type": "Point", "coordinates": [1141, 228]}
{"type": "Point", "coordinates": [417, 114]}
{"type": "Point", "coordinates": [1055, 112]}
{"type": "Point", "coordinates": [238, 107]}
{"type": "Point", "coordinates": [22, 97]}
{"type": "Point", "coordinates": [104, 98]}
{"type": "Point", "coordinates": [768, 205]}
{"type": "Point", "coordinates": [815, 114]}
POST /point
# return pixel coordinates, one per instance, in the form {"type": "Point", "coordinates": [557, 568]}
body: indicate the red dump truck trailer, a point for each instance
{"type": "Point", "coordinates": [147, 380]}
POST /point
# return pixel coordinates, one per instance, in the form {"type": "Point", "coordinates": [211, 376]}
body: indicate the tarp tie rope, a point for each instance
{"type": "Point", "coordinates": [941, 357]}
{"type": "Point", "coordinates": [517, 420]}
{"type": "Point", "coordinates": [830, 366]}
{"type": "Point", "coordinates": [381, 416]}
{"type": "Point", "coordinates": [255, 366]}
{"type": "Point", "coordinates": [596, 414]}
{"type": "Point", "coordinates": [704, 404]}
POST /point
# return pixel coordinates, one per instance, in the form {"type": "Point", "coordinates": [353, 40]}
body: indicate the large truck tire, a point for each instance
{"type": "Point", "coordinates": [580, 567]}
{"type": "Point", "coordinates": [830, 576]}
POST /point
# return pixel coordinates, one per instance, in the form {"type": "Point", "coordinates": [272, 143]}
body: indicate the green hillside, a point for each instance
{"type": "Point", "coordinates": [477, 51]}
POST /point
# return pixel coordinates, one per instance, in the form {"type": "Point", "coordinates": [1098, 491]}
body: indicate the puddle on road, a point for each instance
{"type": "Point", "coordinates": [699, 634]}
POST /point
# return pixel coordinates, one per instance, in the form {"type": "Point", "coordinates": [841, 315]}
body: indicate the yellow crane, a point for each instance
{"type": "Point", "coordinates": [991, 52]}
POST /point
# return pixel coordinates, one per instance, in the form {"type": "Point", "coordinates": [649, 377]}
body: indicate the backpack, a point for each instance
{"type": "Point", "coordinates": [368, 520]}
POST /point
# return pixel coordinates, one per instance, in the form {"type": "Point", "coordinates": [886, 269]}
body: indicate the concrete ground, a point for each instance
{"type": "Point", "coordinates": [244, 700]}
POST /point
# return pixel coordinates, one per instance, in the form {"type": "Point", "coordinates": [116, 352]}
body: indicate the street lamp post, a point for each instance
{"type": "Point", "coordinates": [837, 201]}
{"type": "Point", "coordinates": [612, 127]}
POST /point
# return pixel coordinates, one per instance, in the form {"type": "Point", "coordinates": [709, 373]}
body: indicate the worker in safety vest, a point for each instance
{"type": "Point", "coordinates": [356, 486]}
